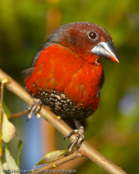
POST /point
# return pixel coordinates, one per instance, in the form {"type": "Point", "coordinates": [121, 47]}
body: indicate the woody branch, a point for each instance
{"type": "Point", "coordinates": [86, 149]}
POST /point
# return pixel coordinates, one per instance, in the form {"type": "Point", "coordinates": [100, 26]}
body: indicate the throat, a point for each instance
{"type": "Point", "coordinates": [92, 59]}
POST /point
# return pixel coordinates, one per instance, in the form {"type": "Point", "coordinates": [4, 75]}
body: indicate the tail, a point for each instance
{"type": "Point", "coordinates": [27, 72]}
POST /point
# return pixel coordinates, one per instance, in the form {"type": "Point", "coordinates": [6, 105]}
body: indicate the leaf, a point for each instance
{"type": "Point", "coordinates": [1, 171]}
{"type": "Point", "coordinates": [6, 109]}
{"type": "Point", "coordinates": [10, 163]}
{"type": "Point", "coordinates": [20, 146]}
{"type": "Point", "coordinates": [8, 129]}
{"type": "Point", "coordinates": [52, 156]}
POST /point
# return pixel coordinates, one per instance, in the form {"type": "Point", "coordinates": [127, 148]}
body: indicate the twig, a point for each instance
{"type": "Point", "coordinates": [19, 114]}
{"type": "Point", "coordinates": [60, 161]}
{"type": "Point", "coordinates": [85, 149]}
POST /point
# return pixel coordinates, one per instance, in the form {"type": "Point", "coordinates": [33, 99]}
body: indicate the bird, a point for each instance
{"type": "Point", "coordinates": [67, 75]}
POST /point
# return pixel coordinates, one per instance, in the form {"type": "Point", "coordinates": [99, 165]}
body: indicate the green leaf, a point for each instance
{"type": "Point", "coordinates": [52, 156]}
{"type": "Point", "coordinates": [6, 109]}
{"type": "Point", "coordinates": [10, 163]}
{"type": "Point", "coordinates": [8, 129]}
{"type": "Point", "coordinates": [20, 146]}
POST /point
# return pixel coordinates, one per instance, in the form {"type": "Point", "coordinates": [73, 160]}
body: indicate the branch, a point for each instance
{"type": "Point", "coordinates": [86, 149]}
{"type": "Point", "coordinates": [58, 162]}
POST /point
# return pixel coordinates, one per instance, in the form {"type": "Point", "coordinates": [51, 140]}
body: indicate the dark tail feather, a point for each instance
{"type": "Point", "coordinates": [27, 72]}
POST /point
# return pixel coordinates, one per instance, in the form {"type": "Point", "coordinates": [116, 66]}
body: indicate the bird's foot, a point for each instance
{"type": "Point", "coordinates": [34, 107]}
{"type": "Point", "coordinates": [78, 140]}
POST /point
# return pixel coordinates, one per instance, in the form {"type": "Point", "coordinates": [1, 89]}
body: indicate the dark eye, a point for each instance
{"type": "Point", "coordinates": [92, 35]}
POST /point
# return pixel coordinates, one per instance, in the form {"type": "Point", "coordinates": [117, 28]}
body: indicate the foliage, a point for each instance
{"type": "Point", "coordinates": [52, 156]}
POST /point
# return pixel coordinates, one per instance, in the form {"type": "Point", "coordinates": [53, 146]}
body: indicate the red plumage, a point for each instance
{"type": "Point", "coordinates": [67, 67]}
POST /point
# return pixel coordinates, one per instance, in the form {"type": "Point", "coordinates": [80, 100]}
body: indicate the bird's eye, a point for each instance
{"type": "Point", "coordinates": [92, 35]}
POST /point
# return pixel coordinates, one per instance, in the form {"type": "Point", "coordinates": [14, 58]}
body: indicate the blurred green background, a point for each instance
{"type": "Point", "coordinates": [114, 128]}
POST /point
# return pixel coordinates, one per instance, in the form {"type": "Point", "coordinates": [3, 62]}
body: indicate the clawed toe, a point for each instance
{"type": "Point", "coordinates": [78, 140]}
{"type": "Point", "coordinates": [35, 107]}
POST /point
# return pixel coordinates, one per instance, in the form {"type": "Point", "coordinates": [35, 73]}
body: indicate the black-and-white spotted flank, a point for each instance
{"type": "Point", "coordinates": [62, 106]}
